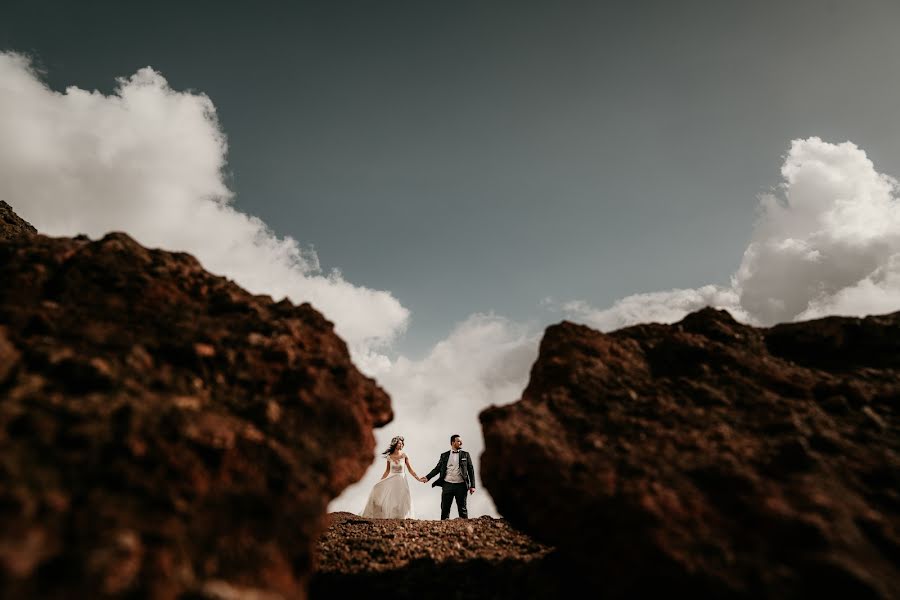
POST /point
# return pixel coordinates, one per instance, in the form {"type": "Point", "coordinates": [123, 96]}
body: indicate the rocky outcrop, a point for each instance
{"type": "Point", "coordinates": [458, 558]}
{"type": "Point", "coordinates": [710, 458]}
{"type": "Point", "coordinates": [12, 225]}
{"type": "Point", "coordinates": [164, 433]}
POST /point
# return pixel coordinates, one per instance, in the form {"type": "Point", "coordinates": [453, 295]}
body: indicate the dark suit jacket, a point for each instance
{"type": "Point", "coordinates": [465, 465]}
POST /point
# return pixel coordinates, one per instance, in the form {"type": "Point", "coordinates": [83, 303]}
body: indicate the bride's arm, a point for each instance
{"type": "Point", "coordinates": [411, 471]}
{"type": "Point", "coordinates": [387, 469]}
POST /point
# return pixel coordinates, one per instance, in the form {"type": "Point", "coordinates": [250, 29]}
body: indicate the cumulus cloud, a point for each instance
{"type": "Point", "coordinates": [827, 242]}
{"type": "Point", "coordinates": [148, 160]}
{"type": "Point", "coordinates": [660, 307]}
{"type": "Point", "coordinates": [484, 361]}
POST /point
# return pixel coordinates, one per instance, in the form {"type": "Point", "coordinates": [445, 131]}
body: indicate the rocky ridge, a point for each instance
{"type": "Point", "coordinates": [710, 457]}
{"type": "Point", "coordinates": [12, 225]}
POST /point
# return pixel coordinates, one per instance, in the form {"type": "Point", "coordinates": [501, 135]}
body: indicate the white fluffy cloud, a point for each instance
{"type": "Point", "coordinates": [484, 361]}
{"type": "Point", "coordinates": [826, 243]}
{"type": "Point", "coordinates": [829, 243]}
{"type": "Point", "coordinates": [148, 160]}
{"type": "Point", "coordinates": [659, 307]}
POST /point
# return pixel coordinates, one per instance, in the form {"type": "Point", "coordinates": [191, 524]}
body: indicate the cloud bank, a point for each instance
{"type": "Point", "coordinates": [827, 242]}
{"type": "Point", "coordinates": [149, 160]}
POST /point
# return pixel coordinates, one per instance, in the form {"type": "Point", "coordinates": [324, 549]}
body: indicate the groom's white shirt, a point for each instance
{"type": "Point", "coordinates": [454, 474]}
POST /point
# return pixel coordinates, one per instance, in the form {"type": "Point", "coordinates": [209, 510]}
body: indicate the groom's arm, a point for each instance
{"type": "Point", "coordinates": [471, 473]}
{"type": "Point", "coordinates": [434, 471]}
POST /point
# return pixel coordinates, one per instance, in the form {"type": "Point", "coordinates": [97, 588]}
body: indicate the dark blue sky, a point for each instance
{"type": "Point", "coordinates": [478, 156]}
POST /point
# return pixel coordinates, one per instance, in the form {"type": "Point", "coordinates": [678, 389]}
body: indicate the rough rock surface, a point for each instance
{"type": "Point", "coordinates": [164, 433]}
{"type": "Point", "coordinates": [711, 457]}
{"type": "Point", "coordinates": [456, 558]}
{"type": "Point", "coordinates": [12, 225]}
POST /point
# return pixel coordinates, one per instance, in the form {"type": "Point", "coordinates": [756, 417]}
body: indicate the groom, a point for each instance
{"type": "Point", "coordinates": [457, 476]}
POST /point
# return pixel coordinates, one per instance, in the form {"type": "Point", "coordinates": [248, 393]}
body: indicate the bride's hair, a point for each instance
{"type": "Point", "coordinates": [394, 441]}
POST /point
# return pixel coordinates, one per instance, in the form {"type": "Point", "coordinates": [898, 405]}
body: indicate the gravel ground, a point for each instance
{"type": "Point", "coordinates": [457, 558]}
{"type": "Point", "coordinates": [353, 544]}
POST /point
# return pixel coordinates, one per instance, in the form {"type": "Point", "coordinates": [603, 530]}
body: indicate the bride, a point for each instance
{"type": "Point", "coordinates": [390, 497]}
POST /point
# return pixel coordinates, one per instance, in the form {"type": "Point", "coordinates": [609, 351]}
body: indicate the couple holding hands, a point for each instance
{"type": "Point", "coordinates": [390, 498]}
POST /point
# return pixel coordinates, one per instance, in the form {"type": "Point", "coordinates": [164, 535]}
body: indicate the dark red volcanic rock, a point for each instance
{"type": "Point", "coordinates": [12, 225]}
{"type": "Point", "coordinates": [164, 433]}
{"type": "Point", "coordinates": [710, 458]}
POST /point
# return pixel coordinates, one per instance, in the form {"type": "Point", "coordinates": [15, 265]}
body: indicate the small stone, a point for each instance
{"type": "Point", "coordinates": [273, 411]}
{"type": "Point", "coordinates": [204, 350]}
{"type": "Point", "coordinates": [874, 417]}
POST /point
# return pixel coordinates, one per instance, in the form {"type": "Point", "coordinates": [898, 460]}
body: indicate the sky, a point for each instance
{"type": "Point", "coordinates": [443, 180]}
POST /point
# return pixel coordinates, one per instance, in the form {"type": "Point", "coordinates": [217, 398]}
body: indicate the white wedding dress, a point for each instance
{"type": "Point", "coordinates": [390, 497]}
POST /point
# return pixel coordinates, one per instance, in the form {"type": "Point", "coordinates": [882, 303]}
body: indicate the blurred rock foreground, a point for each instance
{"type": "Point", "coordinates": [710, 458]}
{"type": "Point", "coordinates": [164, 433]}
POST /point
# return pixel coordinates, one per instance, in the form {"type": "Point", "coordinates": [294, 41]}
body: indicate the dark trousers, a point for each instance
{"type": "Point", "coordinates": [449, 491]}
